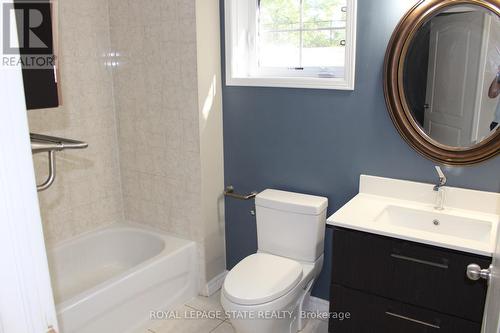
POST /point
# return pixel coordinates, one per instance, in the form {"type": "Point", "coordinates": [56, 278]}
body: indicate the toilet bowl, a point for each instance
{"type": "Point", "coordinates": [265, 292]}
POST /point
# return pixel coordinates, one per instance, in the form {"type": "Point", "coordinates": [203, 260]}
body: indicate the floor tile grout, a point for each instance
{"type": "Point", "coordinates": [222, 322]}
{"type": "Point", "coordinates": [192, 307]}
{"type": "Point", "coordinates": [218, 321]}
{"type": "Point", "coordinates": [195, 308]}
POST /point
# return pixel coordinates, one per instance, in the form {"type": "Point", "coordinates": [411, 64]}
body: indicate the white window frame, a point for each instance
{"type": "Point", "coordinates": [241, 52]}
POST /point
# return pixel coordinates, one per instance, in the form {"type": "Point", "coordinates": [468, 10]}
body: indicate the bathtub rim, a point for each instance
{"type": "Point", "coordinates": [77, 299]}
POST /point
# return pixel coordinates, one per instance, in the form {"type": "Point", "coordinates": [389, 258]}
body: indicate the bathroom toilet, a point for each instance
{"type": "Point", "coordinates": [265, 292]}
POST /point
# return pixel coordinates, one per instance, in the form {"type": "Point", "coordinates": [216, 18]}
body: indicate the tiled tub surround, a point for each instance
{"type": "Point", "coordinates": [108, 280]}
{"type": "Point", "coordinates": [157, 106]}
{"type": "Point", "coordinates": [86, 193]}
{"type": "Point", "coordinates": [135, 90]}
{"type": "Point", "coordinates": [168, 107]}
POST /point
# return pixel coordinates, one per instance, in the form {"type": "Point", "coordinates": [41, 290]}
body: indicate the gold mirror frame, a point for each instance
{"type": "Point", "coordinates": [395, 97]}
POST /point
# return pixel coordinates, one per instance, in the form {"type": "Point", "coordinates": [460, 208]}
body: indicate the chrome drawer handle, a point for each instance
{"type": "Point", "coordinates": [420, 261]}
{"type": "Point", "coordinates": [412, 320]}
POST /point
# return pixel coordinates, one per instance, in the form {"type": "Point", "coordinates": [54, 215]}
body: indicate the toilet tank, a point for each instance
{"type": "Point", "coordinates": [291, 224]}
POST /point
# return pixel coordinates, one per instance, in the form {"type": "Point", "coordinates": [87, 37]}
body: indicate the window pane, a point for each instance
{"type": "Point", "coordinates": [276, 15]}
{"type": "Point", "coordinates": [322, 48]}
{"type": "Point", "coordinates": [302, 33]}
{"type": "Point", "coordinates": [324, 32]}
{"type": "Point", "coordinates": [279, 49]}
{"type": "Point", "coordinates": [324, 14]}
{"type": "Point", "coordinates": [279, 39]}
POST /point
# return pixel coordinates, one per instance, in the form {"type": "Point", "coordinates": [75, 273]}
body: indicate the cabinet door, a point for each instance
{"type": "Point", "coordinates": [372, 314]}
{"type": "Point", "coordinates": [413, 273]}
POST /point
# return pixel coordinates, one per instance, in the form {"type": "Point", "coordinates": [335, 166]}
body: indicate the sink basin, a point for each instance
{"type": "Point", "coordinates": [436, 222]}
{"type": "Point", "coordinates": [405, 210]}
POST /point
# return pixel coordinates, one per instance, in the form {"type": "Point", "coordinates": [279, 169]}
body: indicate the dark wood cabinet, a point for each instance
{"type": "Point", "coordinates": [388, 273]}
{"type": "Point", "coordinates": [372, 314]}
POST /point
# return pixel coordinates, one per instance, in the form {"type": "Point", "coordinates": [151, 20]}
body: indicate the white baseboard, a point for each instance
{"type": "Point", "coordinates": [316, 304]}
{"type": "Point", "coordinates": [213, 285]}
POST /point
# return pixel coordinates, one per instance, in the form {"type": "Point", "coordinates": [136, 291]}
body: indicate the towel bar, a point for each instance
{"type": "Point", "coordinates": [51, 144]}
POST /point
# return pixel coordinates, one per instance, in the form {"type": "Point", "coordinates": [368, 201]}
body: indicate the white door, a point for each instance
{"type": "Point", "coordinates": [491, 323]}
{"type": "Point", "coordinates": [26, 301]}
{"type": "Point", "coordinates": [490, 59]}
{"type": "Point", "coordinates": [454, 57]}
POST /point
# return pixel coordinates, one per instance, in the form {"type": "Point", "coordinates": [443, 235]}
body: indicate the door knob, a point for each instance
{"type": "Point", "coordinates": [474, 272]}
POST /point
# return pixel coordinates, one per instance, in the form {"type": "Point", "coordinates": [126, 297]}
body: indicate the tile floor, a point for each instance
{"type": "Point", "coordinates": [209, 325]}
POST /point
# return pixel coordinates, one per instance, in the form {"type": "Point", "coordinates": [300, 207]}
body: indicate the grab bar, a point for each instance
{"type": "Point", "coordinates": [229, 192]}
{"type": "Point", "coordinates": [50, 144]}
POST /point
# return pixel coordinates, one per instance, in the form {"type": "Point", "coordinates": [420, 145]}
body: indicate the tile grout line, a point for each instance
{"type": "Point", "coordinates": [192, 307]}
{"type": "Point", "coordinates": [216, 327]}
{"type": "Point", "coordinates": [195, 308]}
{"type": "Point", "coordinates": [220, 320]}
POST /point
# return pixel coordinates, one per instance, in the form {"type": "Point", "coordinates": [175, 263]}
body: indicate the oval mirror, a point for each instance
{"type": "Point", "coordinates": [442, 83]}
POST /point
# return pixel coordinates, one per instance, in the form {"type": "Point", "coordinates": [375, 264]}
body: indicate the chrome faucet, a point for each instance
{"type": "Point", "coordinates": [439, 189]}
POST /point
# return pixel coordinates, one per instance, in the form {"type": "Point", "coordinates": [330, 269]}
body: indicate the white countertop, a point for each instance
{"type": "Point", "coordinates": [377, 194]}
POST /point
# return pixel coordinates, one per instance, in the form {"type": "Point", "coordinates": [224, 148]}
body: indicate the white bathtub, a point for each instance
{"type": "Point", "coordinates": [108, 280]}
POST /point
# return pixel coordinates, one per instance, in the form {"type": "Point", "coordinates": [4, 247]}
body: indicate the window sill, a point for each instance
{"type": "Point", "coordinates": [293, 82]}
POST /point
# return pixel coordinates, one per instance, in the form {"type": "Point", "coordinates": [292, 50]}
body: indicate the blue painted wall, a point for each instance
{"type": "Point", "coordinates": [320, 141]}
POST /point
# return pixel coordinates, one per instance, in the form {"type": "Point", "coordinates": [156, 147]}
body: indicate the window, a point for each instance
{"type": "Point", "coordinates": [291, 43]}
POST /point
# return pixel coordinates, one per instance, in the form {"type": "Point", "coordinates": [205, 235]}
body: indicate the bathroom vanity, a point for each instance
{"type": "Point", "coordinates": [400, 265]}
{"type": "Point", "coordinates": [392, 285]}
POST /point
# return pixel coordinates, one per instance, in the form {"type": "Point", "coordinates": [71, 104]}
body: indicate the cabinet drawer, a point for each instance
{"type": "Point", "coordinates": [413, 273]}
{"type": "Point", "coordinates": [372, 314]}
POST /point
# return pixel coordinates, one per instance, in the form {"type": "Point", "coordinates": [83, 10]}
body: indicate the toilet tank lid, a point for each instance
{"type": "Point", "coordinates": [291, 202]}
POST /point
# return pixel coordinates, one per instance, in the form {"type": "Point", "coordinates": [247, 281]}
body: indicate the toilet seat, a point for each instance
{"type": "Point", "coordinates": [261, 278]}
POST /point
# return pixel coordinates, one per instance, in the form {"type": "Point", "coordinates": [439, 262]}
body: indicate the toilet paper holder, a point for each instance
{"type": "Point", "coordinates": [229, 192]}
